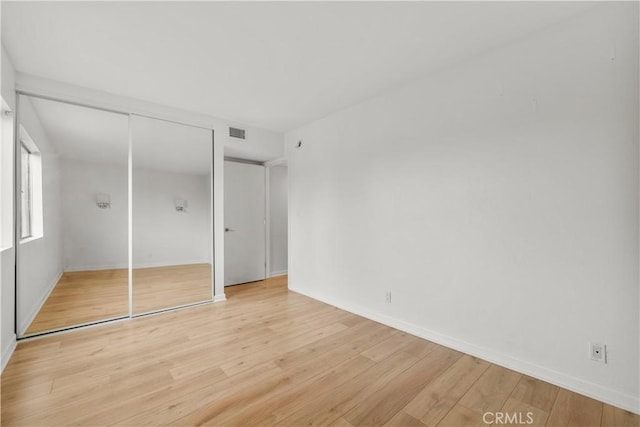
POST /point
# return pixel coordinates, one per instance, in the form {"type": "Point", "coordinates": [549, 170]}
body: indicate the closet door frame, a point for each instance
{"type": "Point", "coordinates": [20, 335]}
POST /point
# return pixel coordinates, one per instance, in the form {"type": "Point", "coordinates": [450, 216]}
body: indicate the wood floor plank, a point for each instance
{"type": "Point", "coordinates": [335, 403]}
{"type": "Point", "coordinates": [382, 405]}
{"type": "Point", "coordinates": [522, 414]}
{"type": "Point", "coordinates": [338, 352]}
{"type": "Point", "coordinates": [168, 406]}
{"type": "Point", "coordinates": [402, 419]}
{"type": "Point", "coordinates": [460, 416]}
{"type": "Point", "coordinates": [440, 395]}
{"type": "Point", "coordinates": [491, 390]}
{"type": "Point", "coordinates": [574, 410]}
{"type": "Point", "coordinates": [536, 393]}
{"type": "Point", "coordinates": [419, 347]}
{"type": "Point", "coordinates": [341, 422]}
{"type": "Point", "coordinates": [301, 395]}
{"type": "Point", "coordinates": [616, 417]}
{"type": "Point", "coordinates": [268, 356]}
{"type": "Point", "coordinates": [389, 346]}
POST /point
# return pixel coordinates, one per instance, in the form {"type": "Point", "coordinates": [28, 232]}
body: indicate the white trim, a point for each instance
{"type": "Point", "coordinates": [595, 391]}
{"type": "Point", "coordinates": [172, 308]}
{"type": "Point", "coordinates": [219, 298]}
{"type": "Point", "coordinates": [69, 329]}
{"type": "Point", "coordinates": [36, 309]}
{"type": "Point", "coordinates": [6, 177]}
{"type": "Point", "coordinates": [30, 239]}
{"type": "Point", "coordinates": [218, 215]}
{"type": "Point", "coordinates": [276, 162]}
{"type": "Point", "coordinates": [267, 205]}
{"type": "Point", "coordinates": [244, 161]}
{"type": "Point", "coordinates": [278, 273]}
{"type": "Point", "coordinates": [130, 216]}
{"type": "Point", "coordinates": [290, 166]}
{"type": "Point", "coordinates": [53, 90]}
{"type": "Point", "coordinates": [212, 231]}
{"type": "Point", "coordinates": [74, 327]}
{"type": "Point", "coordinates": [267, 221]}
{"type": "Point", "coordinates": [8, 352]}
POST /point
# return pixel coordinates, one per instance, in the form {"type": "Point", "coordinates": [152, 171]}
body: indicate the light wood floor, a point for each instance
{"type": "Point", "coordinates": [87, 296]}
{"type": "Point", "coordinates": [268, 356]}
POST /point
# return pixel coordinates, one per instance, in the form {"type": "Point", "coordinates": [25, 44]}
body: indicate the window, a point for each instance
{"type": "Point", "coordinates": [31, 212]}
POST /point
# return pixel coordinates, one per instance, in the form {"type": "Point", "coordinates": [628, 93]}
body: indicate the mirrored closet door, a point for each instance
{"type": "Point", "coordinates": [72, 215]}
{"type": "Point", "coordinates": [172, 248]}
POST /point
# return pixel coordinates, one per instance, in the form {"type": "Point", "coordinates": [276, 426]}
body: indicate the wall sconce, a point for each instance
{"type": "Point", "coordinates": [103, 201]}
{"type": "Point", "coordinates": [181, 205]}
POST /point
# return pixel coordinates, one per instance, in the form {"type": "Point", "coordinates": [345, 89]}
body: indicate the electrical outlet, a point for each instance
{"type": "Point", "coordinates": [598, 352]}
{"type": "Point", "coordinates": [388, 297]}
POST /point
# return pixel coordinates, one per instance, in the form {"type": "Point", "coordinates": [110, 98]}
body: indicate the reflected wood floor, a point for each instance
{"type": "Point", "coordinates": [87, 296]}
{"type": "Point", "coordinates": [161, 287]}
{"type": "Point", "coordinates": [269, 356]}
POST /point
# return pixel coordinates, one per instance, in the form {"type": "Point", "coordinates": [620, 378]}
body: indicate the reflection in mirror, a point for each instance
{"type": "Point", "coordinates": [172, 215]}
{"type": "Point", "coordinates": [72, 252]}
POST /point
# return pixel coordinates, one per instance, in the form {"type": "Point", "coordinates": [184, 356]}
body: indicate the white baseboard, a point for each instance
{"type": "Point", "coordinates": [8, 352]}
{"type": "Point", "coordinates": [36, 309]}
{"type": "Point", "coordinates": [595, 391]}
{"type": "Point", "coordinates": [277, 273]}
{"type": "Point", "coordinates": [219, 298]}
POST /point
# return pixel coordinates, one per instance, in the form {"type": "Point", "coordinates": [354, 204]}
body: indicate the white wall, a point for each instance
{"type": "Point", "coordinates": [6, 177]}
{"type": "Point", "coordinates": [501, 229]}
{"type": "Point", "coordinates": [278, 220]}
{"type": "Point", "coordinates": [40, 259]}
{"type": "Point", "coordinates": [7, 291]}
{"type": "Point", "coordinates": [260, 145]}
{"type": "Point", "coordinates": [162, 235]}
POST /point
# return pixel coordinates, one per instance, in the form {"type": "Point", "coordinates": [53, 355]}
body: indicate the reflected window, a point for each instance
{"type": "Point", "coordinates": [30, 188]}
{"type": "Point", "coordinates": [27, 191]}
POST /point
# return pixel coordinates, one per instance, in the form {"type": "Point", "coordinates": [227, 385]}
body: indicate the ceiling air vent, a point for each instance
{"type": "Point", "coordinates": [237, 133]}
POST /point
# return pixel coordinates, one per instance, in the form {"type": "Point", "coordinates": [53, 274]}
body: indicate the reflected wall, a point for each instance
{"type": "Point", "coordinates": [72, 261]}
{"type": "Point", "coordinates": [172, 214]}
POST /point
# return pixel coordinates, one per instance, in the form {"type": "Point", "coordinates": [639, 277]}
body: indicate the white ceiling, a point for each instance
{"type": "Point", "coordinates": [272, 65]}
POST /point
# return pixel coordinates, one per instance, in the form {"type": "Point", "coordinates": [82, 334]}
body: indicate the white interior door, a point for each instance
{"type": "Point", "coordinates": [244, 218]}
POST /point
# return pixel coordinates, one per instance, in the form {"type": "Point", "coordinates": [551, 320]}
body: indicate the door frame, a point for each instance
{"type": "Point", "coordinates": [268, 165]}
{"type": "Point", "coordinates": [265, 209]}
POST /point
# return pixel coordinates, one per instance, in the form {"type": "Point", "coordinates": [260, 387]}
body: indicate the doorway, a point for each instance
{"type": "Point", "coordinates": [256, 221]}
